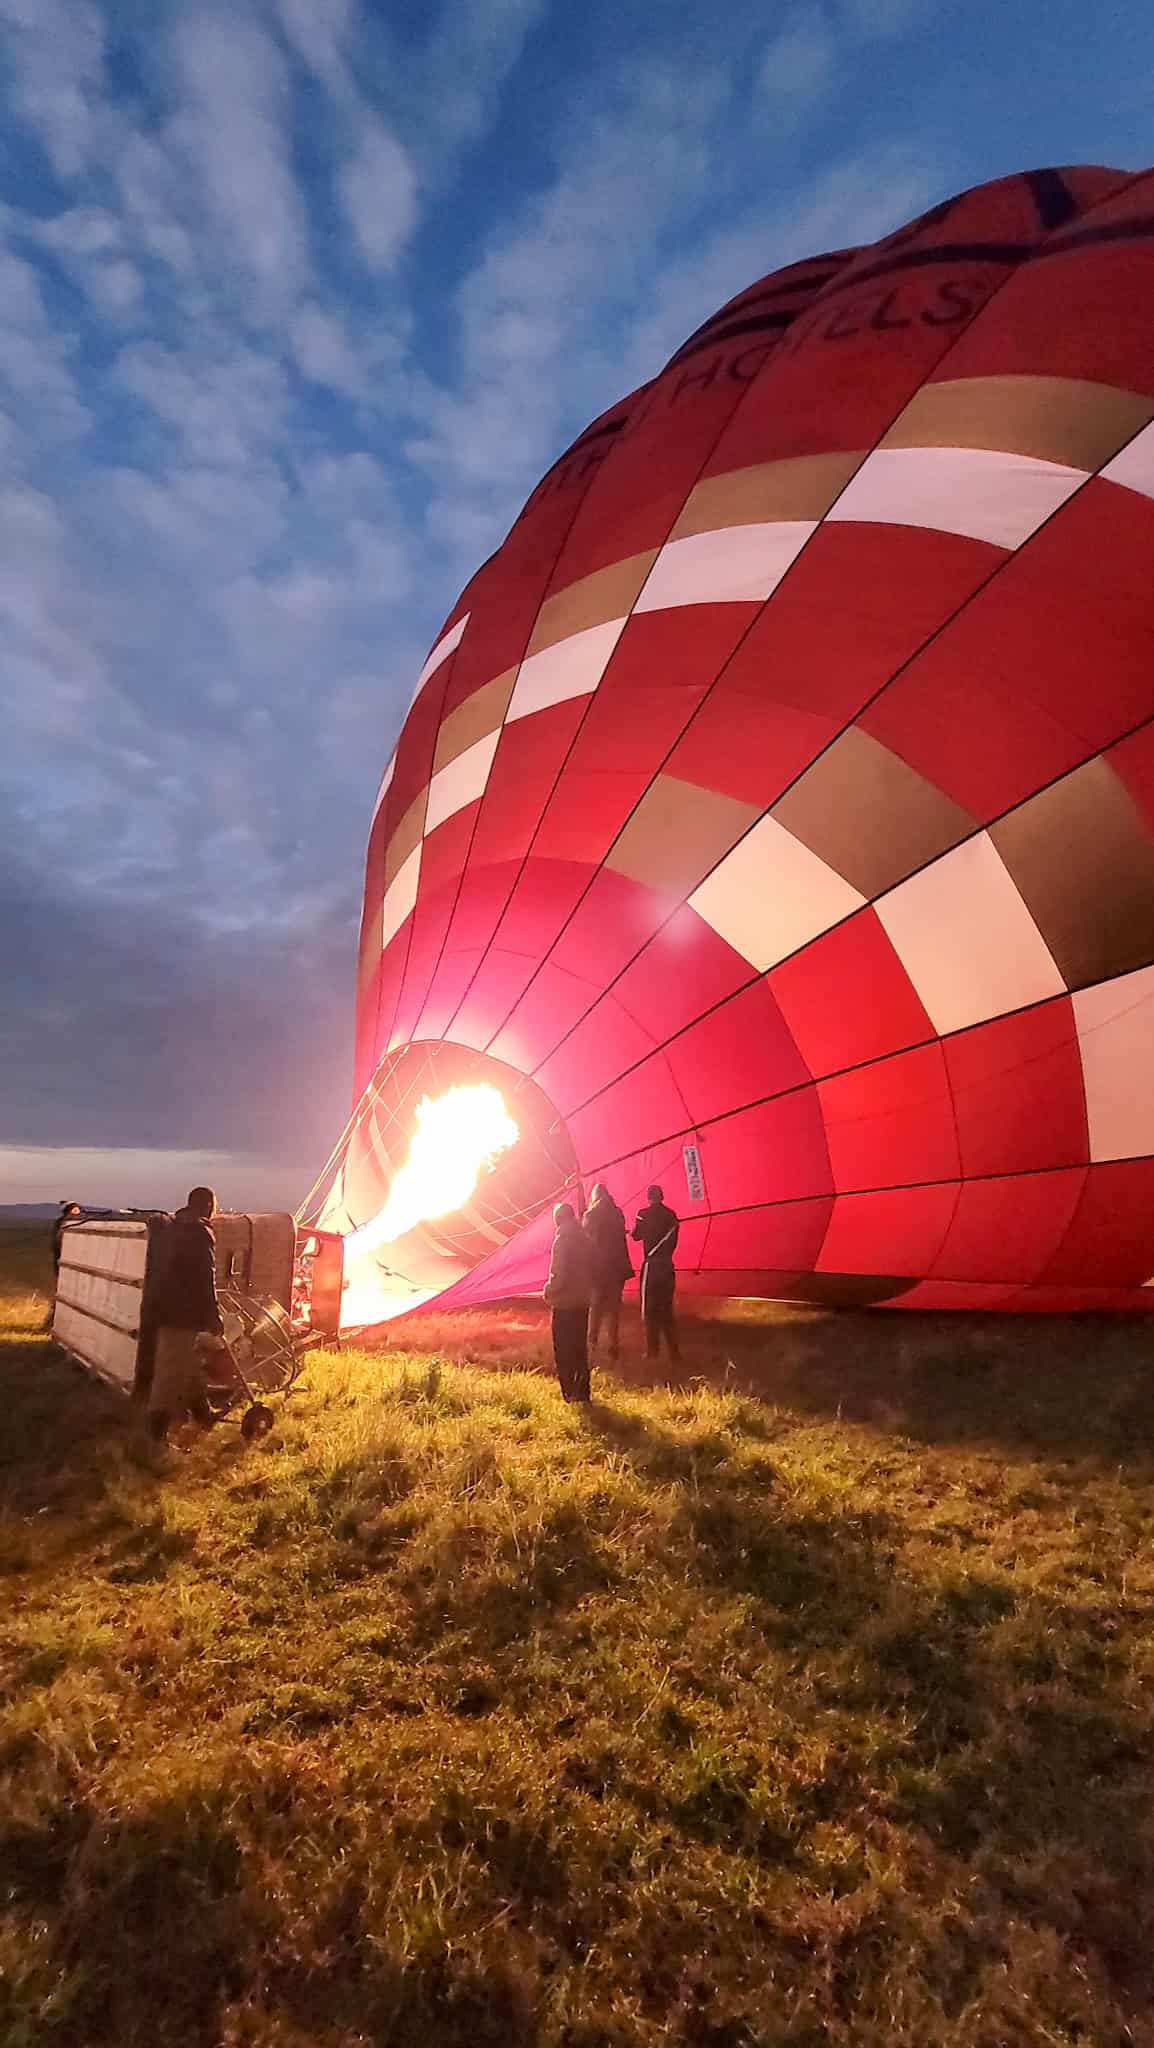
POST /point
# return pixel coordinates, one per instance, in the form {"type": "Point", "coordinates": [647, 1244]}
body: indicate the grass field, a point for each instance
{"type": "Point", "coordinates": [811, 1701]}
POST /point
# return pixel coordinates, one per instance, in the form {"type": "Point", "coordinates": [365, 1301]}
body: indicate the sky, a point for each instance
{"type": "Point", "coordinates": [298, 298]}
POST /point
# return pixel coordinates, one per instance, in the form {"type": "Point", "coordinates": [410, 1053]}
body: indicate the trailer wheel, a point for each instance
{"type": "Point", "coordinates": [256, 1422]}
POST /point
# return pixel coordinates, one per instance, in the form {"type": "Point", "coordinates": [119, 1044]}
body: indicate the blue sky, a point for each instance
{"type": "Point", "coordinates": [297, 300]}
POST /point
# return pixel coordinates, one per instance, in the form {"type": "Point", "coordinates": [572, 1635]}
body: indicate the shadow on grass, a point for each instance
{"type": "Point", "coordinates": [154, 1913]}
{"type": "Point", "coordinates": [61, 1431]}
{"type": "Point", "coordinates": [442, 1997]}
{"type": "Point", "coordinates": [1044, 1386]}
{"type": "Point", "coordinates": [1001, 1720]}
{"type": "Point", "coordinates": [809, 1574]}
{"type": "Point", "coordinates": [162, 1928]}
{"type": "Point", "coordinates": [64, 1434]}
{"type": "Point", "coordinates": [523, 1589]}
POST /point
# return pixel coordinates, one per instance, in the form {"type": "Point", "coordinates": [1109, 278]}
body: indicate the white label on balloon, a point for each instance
{"type": "Point", "coordinates": [694, 1180]}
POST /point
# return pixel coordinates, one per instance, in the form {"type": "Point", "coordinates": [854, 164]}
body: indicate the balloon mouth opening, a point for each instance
{"type": "Point", "coordinates": [451, 1154]}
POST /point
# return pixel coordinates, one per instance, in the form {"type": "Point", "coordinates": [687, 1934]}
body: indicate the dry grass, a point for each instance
{"type": "Point", "coordinates": [451, 1716]}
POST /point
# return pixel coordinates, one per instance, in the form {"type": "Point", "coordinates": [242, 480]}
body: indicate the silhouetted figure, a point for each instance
{"type": "Point", "coordinates": [656, 1231]}
{"type": "Point", "coordinates": [185, 1309]}
{"type": "Point", "coordinates": [604, 1228]}
{"type": "Point", "coordinates": [69, 1213]}
{"type": "Point", "coordinates": [567, 1292]}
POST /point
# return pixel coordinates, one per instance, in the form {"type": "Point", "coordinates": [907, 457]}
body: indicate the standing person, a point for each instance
{"type": "Point", "coordinates": [185, 1308]}
{"type": "Point", "coordinates": [657, 1230]}
{"type": "Point", "coordinates": [567, 1292]}
{"type": "Point", "coordinates": [604, 1228]}
{"type": "Point", "coordinates": [69, 1213]}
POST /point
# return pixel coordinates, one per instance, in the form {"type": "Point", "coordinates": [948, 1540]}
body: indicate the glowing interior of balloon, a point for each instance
{"type": "Point", "coordinates": [459, 1136]}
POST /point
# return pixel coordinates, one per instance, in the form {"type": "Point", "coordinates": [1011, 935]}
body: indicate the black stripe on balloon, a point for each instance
{"type": "Point", "coordinates": [577, 447]}
{"type": "Point", "coordinates": [758, 323]}
{"type": "Point", "coordinates": [1138, 230]}
{"type": "Point", "coordinates": [1010, 253]}
{"type": "Point", "coordinates": [810, 276]}
{"type": "Point", "coordinates": [1053, 198]}
{"type": "Point", "coordinates": [597, 434]}
{"type": "Point", "coordinates": [755, 298]}
{"type": "Point", "coordinates": [816, 283]}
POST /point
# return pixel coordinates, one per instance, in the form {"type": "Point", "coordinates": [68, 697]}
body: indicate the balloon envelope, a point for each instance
{"type": "Point", "coordinates": [774, 816]}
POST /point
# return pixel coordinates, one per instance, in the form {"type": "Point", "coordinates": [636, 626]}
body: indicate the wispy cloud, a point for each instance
{"type": "Point", "coordinates": [815, 50]}
{"type": "Point", "coordinates": [378, 187]}
{"type": "Point", "coordinates": [558, 318]}
{"type": "Point", "coordinates": [856, 199]}
{"type": "Point", "coordinates": [467, 62]}
{"type": "Point", "coordinates": [231, 129]}
{"type": "Point", "coordinates": [56, 52]}
{"type": "Point", "coordinates": [147, 1176]}
{"type": "Point", "coordinates": [320, 32]}
{"type": "Point", "coordinates": [543, 313]}
{"type": "Point", "coordinates": [275, 373]}
{"type": "Point", "coordinates": [36, 369]}
{"type": "Point", "coordinates": [800, 60]}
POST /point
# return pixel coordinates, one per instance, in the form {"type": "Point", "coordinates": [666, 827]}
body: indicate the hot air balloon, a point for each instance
{"type": "Point", "coordinates": [774, 814]}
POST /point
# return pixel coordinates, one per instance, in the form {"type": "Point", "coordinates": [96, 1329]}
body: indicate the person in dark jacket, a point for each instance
{"type": "Point", "coordinates": [69, 1213]}
{"type": "Point", "coordinates": [185, 1309]}
{"type": "Point", "coordinates": [656, 1231]}
{"type": "Point", "coordinates": [567, 1292]}
{"type": "Point", "coordinates": [604, 1228]}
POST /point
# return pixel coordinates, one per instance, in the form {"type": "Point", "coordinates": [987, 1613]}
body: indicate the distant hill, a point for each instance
{"type": "Point", "coordinates": [28, 1212]}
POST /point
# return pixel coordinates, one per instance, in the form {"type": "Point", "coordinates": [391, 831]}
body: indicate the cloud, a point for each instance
{"type": "Point", "coordinates": [36, 376]}
{"type": "Point", "coordinates": [201, 520]}
{"type": "Point", "coordinates": [563, 313]}
{"type": "Point", "coordinates": [319, 31]}
{"type": "Point", "coordinates": [156, 201]}
{"type": "Point", "coordinates": [181, 1034]}
{"type": "Point", "coordinates": [230, 126]}
{"type": "Point", "coordinates": [276, 371]}
{"type": "Point", "coordinates": [375, 179]}
{"type": "Point", "coordinates": [80, 231]}
{"type": "Point", "coordinates": [89, 244]}
{"type": "Point", "coordinates": [815, 49]}
{"type": "Point", "coordinates": [55, 50]}
{"type": "Point", "coordinates": [223, 405]}
{"type": "Point", "coordinates": [471, 53]}
{"type": "Point", "coordinates": [120, 1176]}
{"type": "Point", "coordinates": [114, 288]}
{"type": "Point", "coordinates": [323, 350]}
{"type": "Point", "coordinates": [857, 200]}
{"type": "Point", "coordinates": [110, 281]}
{"type": "Point", "coordinates": [378, 188]}
{"type": "Point", "coordinates": [799, 62]}
{"type": "Point", "coordinates": [544, 313]}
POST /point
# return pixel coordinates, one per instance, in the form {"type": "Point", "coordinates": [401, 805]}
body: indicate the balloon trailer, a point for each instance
{"type": "Point", "coordinates": [279, 1290]}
